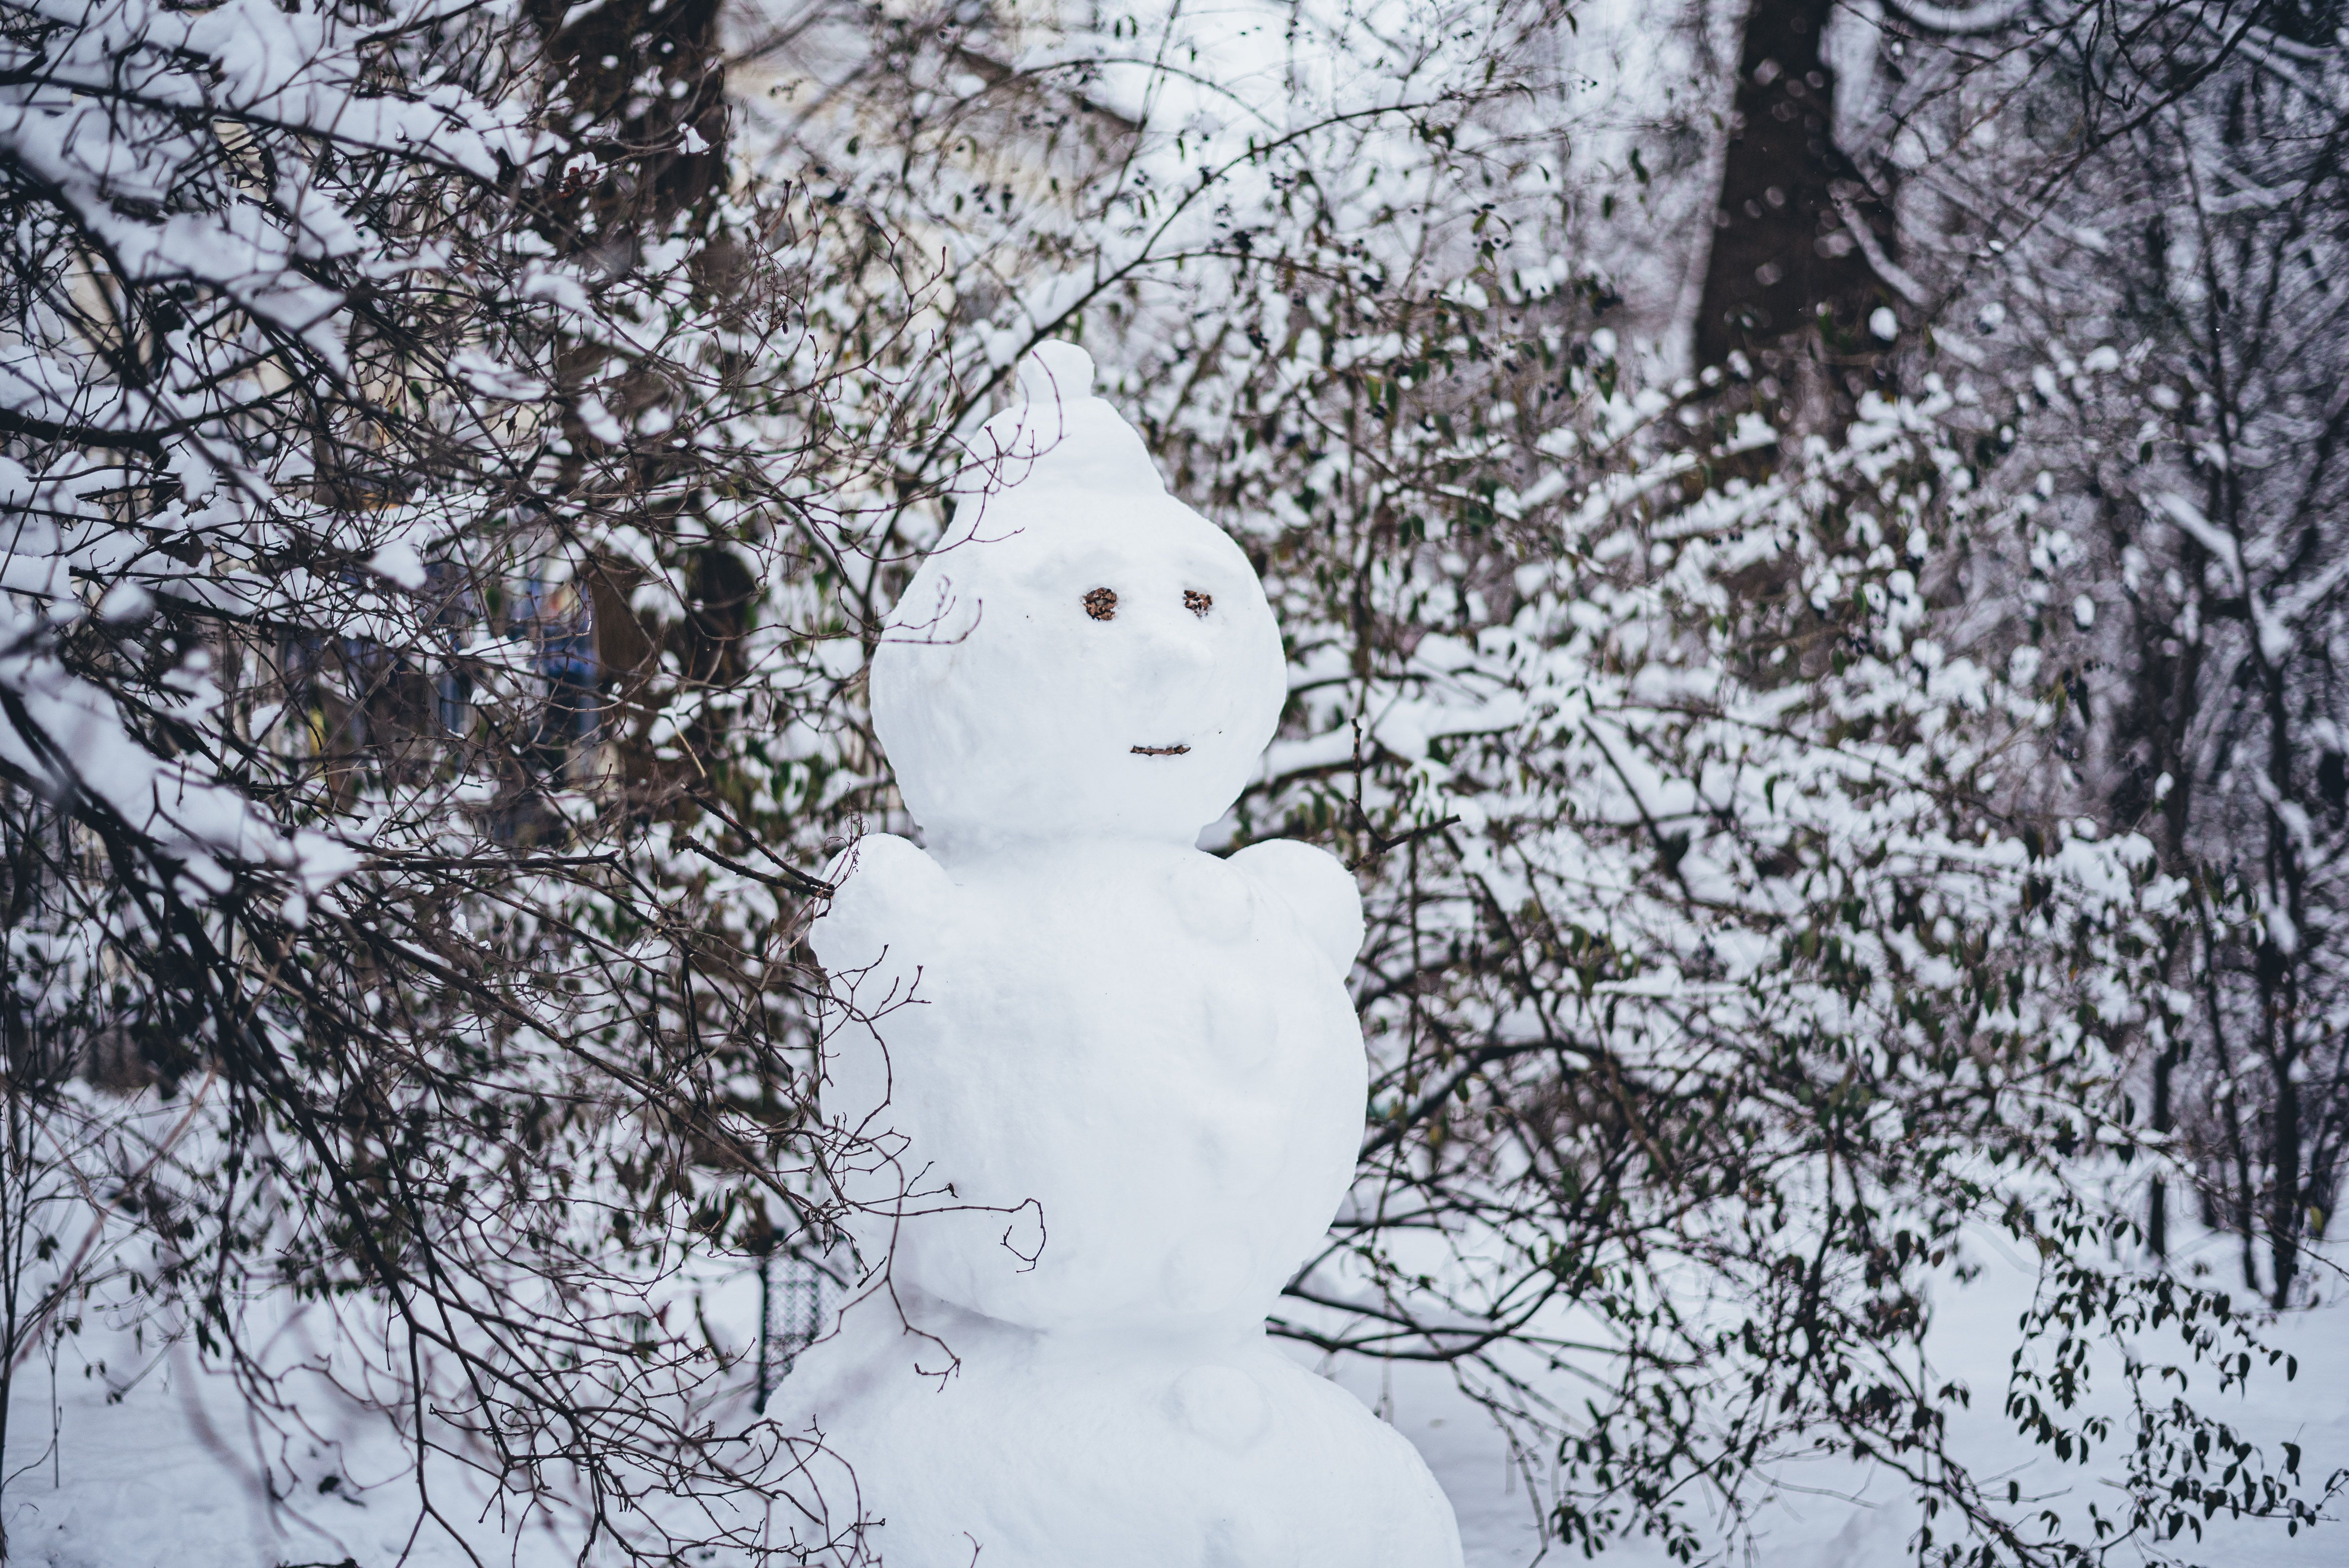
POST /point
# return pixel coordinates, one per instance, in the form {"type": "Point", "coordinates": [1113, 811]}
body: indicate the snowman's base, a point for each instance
{"type": "Point", "coordinates": [1130, 1449]}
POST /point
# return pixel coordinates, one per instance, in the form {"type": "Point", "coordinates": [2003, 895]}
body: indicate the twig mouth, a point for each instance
{"type": "Point", "coordinates": [1160, 750]}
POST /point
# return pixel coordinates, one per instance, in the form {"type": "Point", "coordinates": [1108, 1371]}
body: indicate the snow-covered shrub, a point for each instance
{"type": "Point", "coordinates": [446, 521]}
{"type": "Point", "coordinates": [1733, 966]}
{"type": "Point", "coordinates": [412, 473]}
{"type": "Point", "coordinates": [2145, 302]}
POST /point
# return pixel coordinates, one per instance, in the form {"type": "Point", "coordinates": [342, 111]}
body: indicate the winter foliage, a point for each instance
{"type": "Point", "coordinates": [1822, 810]}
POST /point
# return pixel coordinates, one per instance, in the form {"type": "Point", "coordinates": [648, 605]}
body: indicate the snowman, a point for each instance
{"type": "Point", "coordinates": [1106, 1089]}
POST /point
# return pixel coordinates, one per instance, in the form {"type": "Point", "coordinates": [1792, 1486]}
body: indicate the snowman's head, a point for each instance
{"type": "Point", "coordinates": [1082, 655]}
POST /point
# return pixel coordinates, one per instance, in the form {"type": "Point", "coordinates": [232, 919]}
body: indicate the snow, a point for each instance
{"type": "Point", "coordinates": [157, 1464]}
{"type": "Point", "coordinates": [1106, 1089]}
{"type": "Point", "coordinates": [1080, 1308]}
{"type": "Point", "coordinates": [980, 675]}
{"type": "Point", "coordinates": [72, 738]}
{"type": "Point", "coordinates": [1836, 1513]}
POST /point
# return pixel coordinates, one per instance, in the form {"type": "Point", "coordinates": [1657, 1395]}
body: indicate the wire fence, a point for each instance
{"type": "Point", "coordinates": [791, 1316]}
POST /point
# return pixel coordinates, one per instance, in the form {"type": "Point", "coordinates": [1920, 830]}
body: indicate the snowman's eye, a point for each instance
{"type": "Point", "coordinates": [1198, 603]}
{"type": "Point", "coordinates": [1102, 604]}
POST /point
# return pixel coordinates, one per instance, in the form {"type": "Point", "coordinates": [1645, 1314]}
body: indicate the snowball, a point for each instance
{"type": "Point", "coordinates": [1884, 324]}
{"type": "Point", "coordinates": [1082, 1451]}
{"type": "Point", "coordinates": [1083, 653]}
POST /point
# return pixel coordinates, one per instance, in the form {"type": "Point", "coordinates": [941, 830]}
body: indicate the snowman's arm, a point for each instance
{"type": "Point", "coordinates": [890, 896]}
{"type": "Point", "coordinates": [1317, 886]}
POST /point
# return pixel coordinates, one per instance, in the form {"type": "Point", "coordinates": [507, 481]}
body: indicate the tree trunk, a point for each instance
{"type": "Point", "coordinates": [1787, 284]}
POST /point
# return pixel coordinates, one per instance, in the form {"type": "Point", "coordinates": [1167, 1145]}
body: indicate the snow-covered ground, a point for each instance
{"type": "Point", "coordinates": [170, 1475]}
{"type": "Point", "coordinates": [1844, 1516]}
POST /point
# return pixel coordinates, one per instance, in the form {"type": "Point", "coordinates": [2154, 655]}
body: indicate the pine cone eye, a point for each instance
{"type": "Point", "coordinates": [1102, 604]}
{"type": "Point", "coordinates": [1198, 603]}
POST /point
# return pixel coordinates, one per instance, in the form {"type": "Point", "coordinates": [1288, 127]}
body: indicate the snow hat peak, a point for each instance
{"type": "Point", "coordinates": [1056, 372]}
{"type": "Point", "coordinates": [1060, 438]}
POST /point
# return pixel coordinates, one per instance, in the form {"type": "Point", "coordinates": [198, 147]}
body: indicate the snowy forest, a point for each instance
{"type": "Point", "coordinates": [1810, 541]}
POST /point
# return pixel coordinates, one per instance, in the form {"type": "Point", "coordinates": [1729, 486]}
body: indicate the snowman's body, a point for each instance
{"type": "Point", "coordinates": [1183, 1105]}
{"type": "Point", "coordinates": [1110, 1088]}
{"type": "Point", "coordinates": [1109, 1451]}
